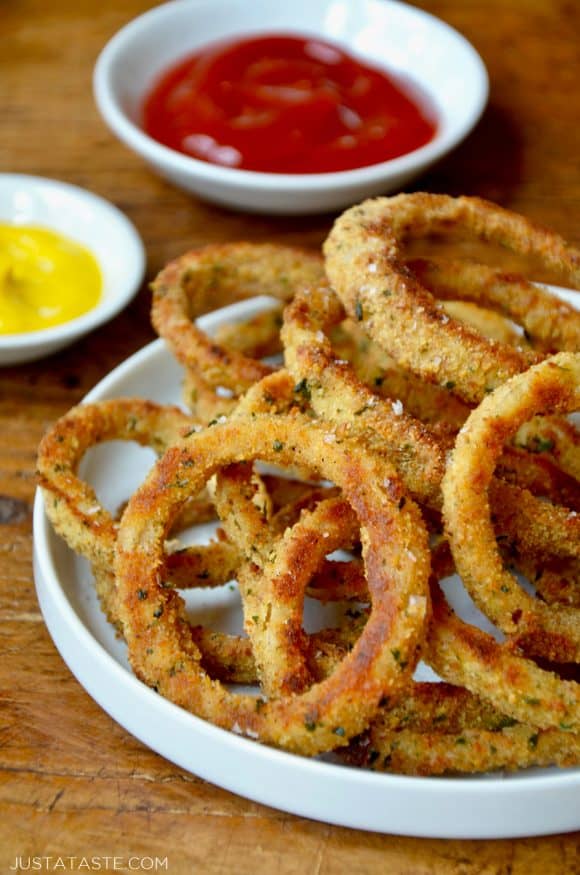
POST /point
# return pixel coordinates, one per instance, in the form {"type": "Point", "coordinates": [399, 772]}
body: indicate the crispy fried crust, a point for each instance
{"type": "Point", "coordinates": [549, 631]}
{"type": "Point", "coordinates": [549, 325]}
{"type": "Point", "coordinates": [211, 277]}
{"type": "Point", "coordinates": [465, 655]}
{"type": "Point", "coordinates": [337, 395]}
{"type": "Point", "coordinates": [408, 752]}
{"type": "Point", "coordinates": [73, 506]}
{"type": "Point", "coordinates": [365, 265]}
{"type": "Point", "coordinates": [160, 648]}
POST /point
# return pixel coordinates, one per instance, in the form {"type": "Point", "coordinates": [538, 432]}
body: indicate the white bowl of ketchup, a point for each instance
{"type": "Point", "coordinates": [258, 141]}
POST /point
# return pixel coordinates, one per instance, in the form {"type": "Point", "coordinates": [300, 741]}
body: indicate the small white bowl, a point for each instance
{"type": "Point", "coordinates": [89, 220]}
{"type": "Point", "coordinates": [403, 39]}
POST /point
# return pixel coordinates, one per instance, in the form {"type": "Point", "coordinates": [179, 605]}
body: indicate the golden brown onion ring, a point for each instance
{"type": "Point", "coordinates": [365, 265]}
{"type": "Point", "coordinates": [211, 277]}
{"type": "Point", "coordinates": [274, 577]}
{"type": "Point", "coordinates": [552, 386]}
{"type": "Point", "coordinates": [409, 752]}
{"type": "Point", "coordinates": [469, 657]}
{"type": "Point", "coordinates": [75, 510]}
{"type": "Point", "coordinates": [71, 504]}
{"type": "Point", "coordinates": [160, 647]}
{"type": "Point", "coordinates": [79, 517]}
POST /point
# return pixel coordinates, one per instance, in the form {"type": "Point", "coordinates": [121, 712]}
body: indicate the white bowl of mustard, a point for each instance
{"type": "Point", "coordinates": [69, 262]}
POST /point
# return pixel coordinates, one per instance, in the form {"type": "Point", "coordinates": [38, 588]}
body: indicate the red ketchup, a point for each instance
{"type": "Point", "coordinates": [285, 104]}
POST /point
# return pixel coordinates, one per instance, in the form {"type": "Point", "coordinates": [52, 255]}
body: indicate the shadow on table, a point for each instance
{"type": "Point", "coordinates": [489, 163]}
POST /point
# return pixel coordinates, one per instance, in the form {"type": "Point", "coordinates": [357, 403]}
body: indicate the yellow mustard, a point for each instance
{"type": "Point", "coordinates": [45, 279]}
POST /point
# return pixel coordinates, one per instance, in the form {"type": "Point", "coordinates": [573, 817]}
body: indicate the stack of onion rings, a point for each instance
{"type": "Point", "coordinates": [355, 407]}
{"type": "Point", "coordinates": [336, 393]}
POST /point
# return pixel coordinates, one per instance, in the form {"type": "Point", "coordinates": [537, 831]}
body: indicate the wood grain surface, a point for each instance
{"type": "Point", "coordinates": [73, 784]}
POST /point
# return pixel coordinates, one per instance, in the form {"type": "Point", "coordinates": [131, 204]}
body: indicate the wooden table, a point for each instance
{"type": "Point", "coordinates": [72, 782]}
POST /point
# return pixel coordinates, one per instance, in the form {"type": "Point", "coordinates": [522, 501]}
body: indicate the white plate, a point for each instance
{"type": "Point", "coordinates": [532, 802]}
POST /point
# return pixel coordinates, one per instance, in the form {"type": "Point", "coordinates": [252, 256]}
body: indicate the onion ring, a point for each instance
{"type": "Point", "coordinates": [78, 516]}
{"type": "Point", "coordinates": [160, 649]}
{"type": "Point", "coordinates": [211, 277]}
{"type": "Point", "coordinates": [76, 512]}
{"type": "Point", "coordinates": [86, 525]}
{"type": "Point", "coordinates": [553, 632]}
{"type": "Point", "coordinates": [273, 581]}
{"type": "Point", "coordinates": [465, 655]}
{"type": "Point", "coordinates": [409, 752]}
{"type": "Point", "coordinates": [365, 266]}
